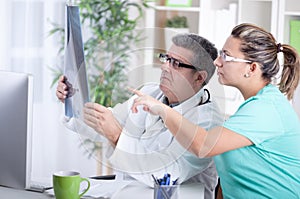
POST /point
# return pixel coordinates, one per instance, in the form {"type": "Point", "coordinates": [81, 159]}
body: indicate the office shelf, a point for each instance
{"type": "Point", "coordinates": [214, 19]}
{"type": "Point", "coordinates": [182, 9]}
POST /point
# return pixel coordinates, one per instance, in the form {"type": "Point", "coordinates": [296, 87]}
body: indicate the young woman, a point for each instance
{"type": "Point", "coordinates": [257, 150]}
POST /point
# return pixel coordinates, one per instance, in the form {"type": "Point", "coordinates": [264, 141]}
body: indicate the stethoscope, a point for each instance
{"type": "Point", "coordinates": [165, 100]}
{"type": "Point", "coordinates": [207, 100]}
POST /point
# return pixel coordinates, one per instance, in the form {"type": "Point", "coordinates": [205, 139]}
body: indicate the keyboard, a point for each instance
{"type": "Point", "coordinates": [39, 187]}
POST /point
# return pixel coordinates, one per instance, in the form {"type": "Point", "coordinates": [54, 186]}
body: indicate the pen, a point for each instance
{"type": "Point", "coordinates": [167, 176]}
{"type": "Point", "coordinates": [104, 177]}
{"type": "Point", "coordinates": [175, 181]}
{"type": "Point", "coordinates": [160, 190]}
{"type": "Point", "coordinates": [155, 180]}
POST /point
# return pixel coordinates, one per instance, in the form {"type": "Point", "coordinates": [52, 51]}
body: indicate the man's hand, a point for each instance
{"type": "Point", "coordinates": [102, 120]}
{"type": "Point", "coordinates": [62, 89]}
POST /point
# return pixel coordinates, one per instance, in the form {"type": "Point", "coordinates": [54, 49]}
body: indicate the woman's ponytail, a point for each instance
{"type": "Point", "coordinates": [290, 72]}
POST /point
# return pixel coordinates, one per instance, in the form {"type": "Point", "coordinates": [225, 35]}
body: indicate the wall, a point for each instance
{"type": "Point", "coordinates": [26, 47]}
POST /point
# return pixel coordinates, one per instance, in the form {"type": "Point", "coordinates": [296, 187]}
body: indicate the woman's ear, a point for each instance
{"type": "Point", "coordinates": [253, 66]}
{"type": "Point", "coordinates": [252, 69]}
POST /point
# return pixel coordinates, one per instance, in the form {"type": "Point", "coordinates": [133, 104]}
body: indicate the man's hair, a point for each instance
{"type": "Point", "coordinates": [203, 50]}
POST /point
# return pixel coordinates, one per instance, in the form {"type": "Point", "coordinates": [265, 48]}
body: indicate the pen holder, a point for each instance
{"type": "Point", "coordinates": [166, 191]}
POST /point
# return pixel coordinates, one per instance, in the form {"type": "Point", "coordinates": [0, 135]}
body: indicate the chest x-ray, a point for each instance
{"type": "Point", "coordinates": [74, 69]}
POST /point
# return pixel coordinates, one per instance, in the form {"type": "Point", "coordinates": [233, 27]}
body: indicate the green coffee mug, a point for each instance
{"type": "Point", "coordinates": [66, 185]}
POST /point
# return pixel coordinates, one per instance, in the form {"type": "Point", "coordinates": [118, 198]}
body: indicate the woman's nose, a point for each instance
{"type": "Point", "coordinates": [218, 62]}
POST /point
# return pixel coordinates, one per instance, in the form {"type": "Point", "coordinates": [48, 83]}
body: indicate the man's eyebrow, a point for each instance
{"type": "Point", "coordinates": [179, 59]}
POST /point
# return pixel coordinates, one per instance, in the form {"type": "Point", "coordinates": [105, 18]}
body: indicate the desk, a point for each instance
{"type": "Point", "coordinates": [138, 191]}
{"type": "Point", "coordinates": [10, 193]}
{"type": "Point", "coordinates": [132, 191]}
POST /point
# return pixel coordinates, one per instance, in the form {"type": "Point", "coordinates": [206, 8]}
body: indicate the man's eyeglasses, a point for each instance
{"type": "Point", "coordinates": [164, 58]}
{"type": "Point", "coordinates": [228, 58]}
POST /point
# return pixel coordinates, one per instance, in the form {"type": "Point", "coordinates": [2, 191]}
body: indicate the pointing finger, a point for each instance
{"type": "Point", "coordinates": [134, 91]}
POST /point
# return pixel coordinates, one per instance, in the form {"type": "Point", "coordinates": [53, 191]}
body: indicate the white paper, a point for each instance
{"type": "Point", "coordinates": [100, 188]}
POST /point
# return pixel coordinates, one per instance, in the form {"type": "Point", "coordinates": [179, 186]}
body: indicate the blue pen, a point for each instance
{"type": "Point", "coordinates": [156, 181]}
{"type": "Point", "coordinates": [160, 181]}
{"type": "Point", "coordinates": [163, 182]}
{"type": "Point", "coordinates": [175, 181]}
{"type": "Point", "coordinates": [168, 176]}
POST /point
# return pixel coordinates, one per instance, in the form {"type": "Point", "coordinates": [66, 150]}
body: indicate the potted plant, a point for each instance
{"type": "Point", "coordinates": [176, 24]}
{"type": "Point", "coordinates": [112, 33]}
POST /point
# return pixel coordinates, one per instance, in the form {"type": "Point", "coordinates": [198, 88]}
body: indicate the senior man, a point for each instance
{"type": "Point", "coordinates": [140, 144]}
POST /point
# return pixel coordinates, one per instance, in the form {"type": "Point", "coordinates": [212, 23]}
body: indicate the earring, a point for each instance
{"type": "Point", "coordinates": [246, 75]}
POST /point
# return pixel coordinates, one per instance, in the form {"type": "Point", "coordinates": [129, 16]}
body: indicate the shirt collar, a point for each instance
{"type": "Point", "coordinates": [191, 102]}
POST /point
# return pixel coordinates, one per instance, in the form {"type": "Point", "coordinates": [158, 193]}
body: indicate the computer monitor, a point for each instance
{"type": "Point", "coordinates": [16, 102]}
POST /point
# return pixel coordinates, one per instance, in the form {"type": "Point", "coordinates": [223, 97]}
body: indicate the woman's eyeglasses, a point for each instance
{"type": "Point", "coordinates": [228, 58]}
{"type": "Point", "coordinates": [164, 58]}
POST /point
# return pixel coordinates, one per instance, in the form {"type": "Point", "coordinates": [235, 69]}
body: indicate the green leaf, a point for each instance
{"type": "Point", "coordinates": [112, 32]}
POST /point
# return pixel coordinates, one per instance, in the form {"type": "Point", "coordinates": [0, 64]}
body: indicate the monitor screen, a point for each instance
{"type": "Point", "coordinates": [16, 102]}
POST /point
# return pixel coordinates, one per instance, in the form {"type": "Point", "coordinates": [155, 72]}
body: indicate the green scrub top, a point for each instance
{"type": "Point", "coordinates": [270, 168]}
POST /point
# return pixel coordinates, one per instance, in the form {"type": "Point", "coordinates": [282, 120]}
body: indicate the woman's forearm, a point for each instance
{"type": "Point", "coordinates": [189, 135]}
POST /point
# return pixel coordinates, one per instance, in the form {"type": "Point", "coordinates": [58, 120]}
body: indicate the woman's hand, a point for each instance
{"type": "Point", "coordinates": [149, 104]}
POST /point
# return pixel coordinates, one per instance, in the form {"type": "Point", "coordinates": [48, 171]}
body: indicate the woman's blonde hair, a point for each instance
{"type": "Point", "coordinates": [260, 46]}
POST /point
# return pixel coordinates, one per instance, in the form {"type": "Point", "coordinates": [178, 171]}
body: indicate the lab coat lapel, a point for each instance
{"type": "Point", "coordinates": [155, 125]}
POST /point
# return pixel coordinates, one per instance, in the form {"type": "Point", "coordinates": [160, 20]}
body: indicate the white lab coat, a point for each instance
{"type": "Point", "coordinates": [146, 146]}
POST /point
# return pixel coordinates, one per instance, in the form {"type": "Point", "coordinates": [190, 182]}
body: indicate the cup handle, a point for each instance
{"type": "Point", "coordinates": [84, 179]}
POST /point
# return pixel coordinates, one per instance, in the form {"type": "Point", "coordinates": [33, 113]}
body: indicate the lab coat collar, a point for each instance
{"type": "Point", "coordinates": [193, 101]}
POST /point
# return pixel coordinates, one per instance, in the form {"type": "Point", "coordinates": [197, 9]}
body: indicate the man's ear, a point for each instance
{"type": "Point", "coordinates": [200, 77]}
